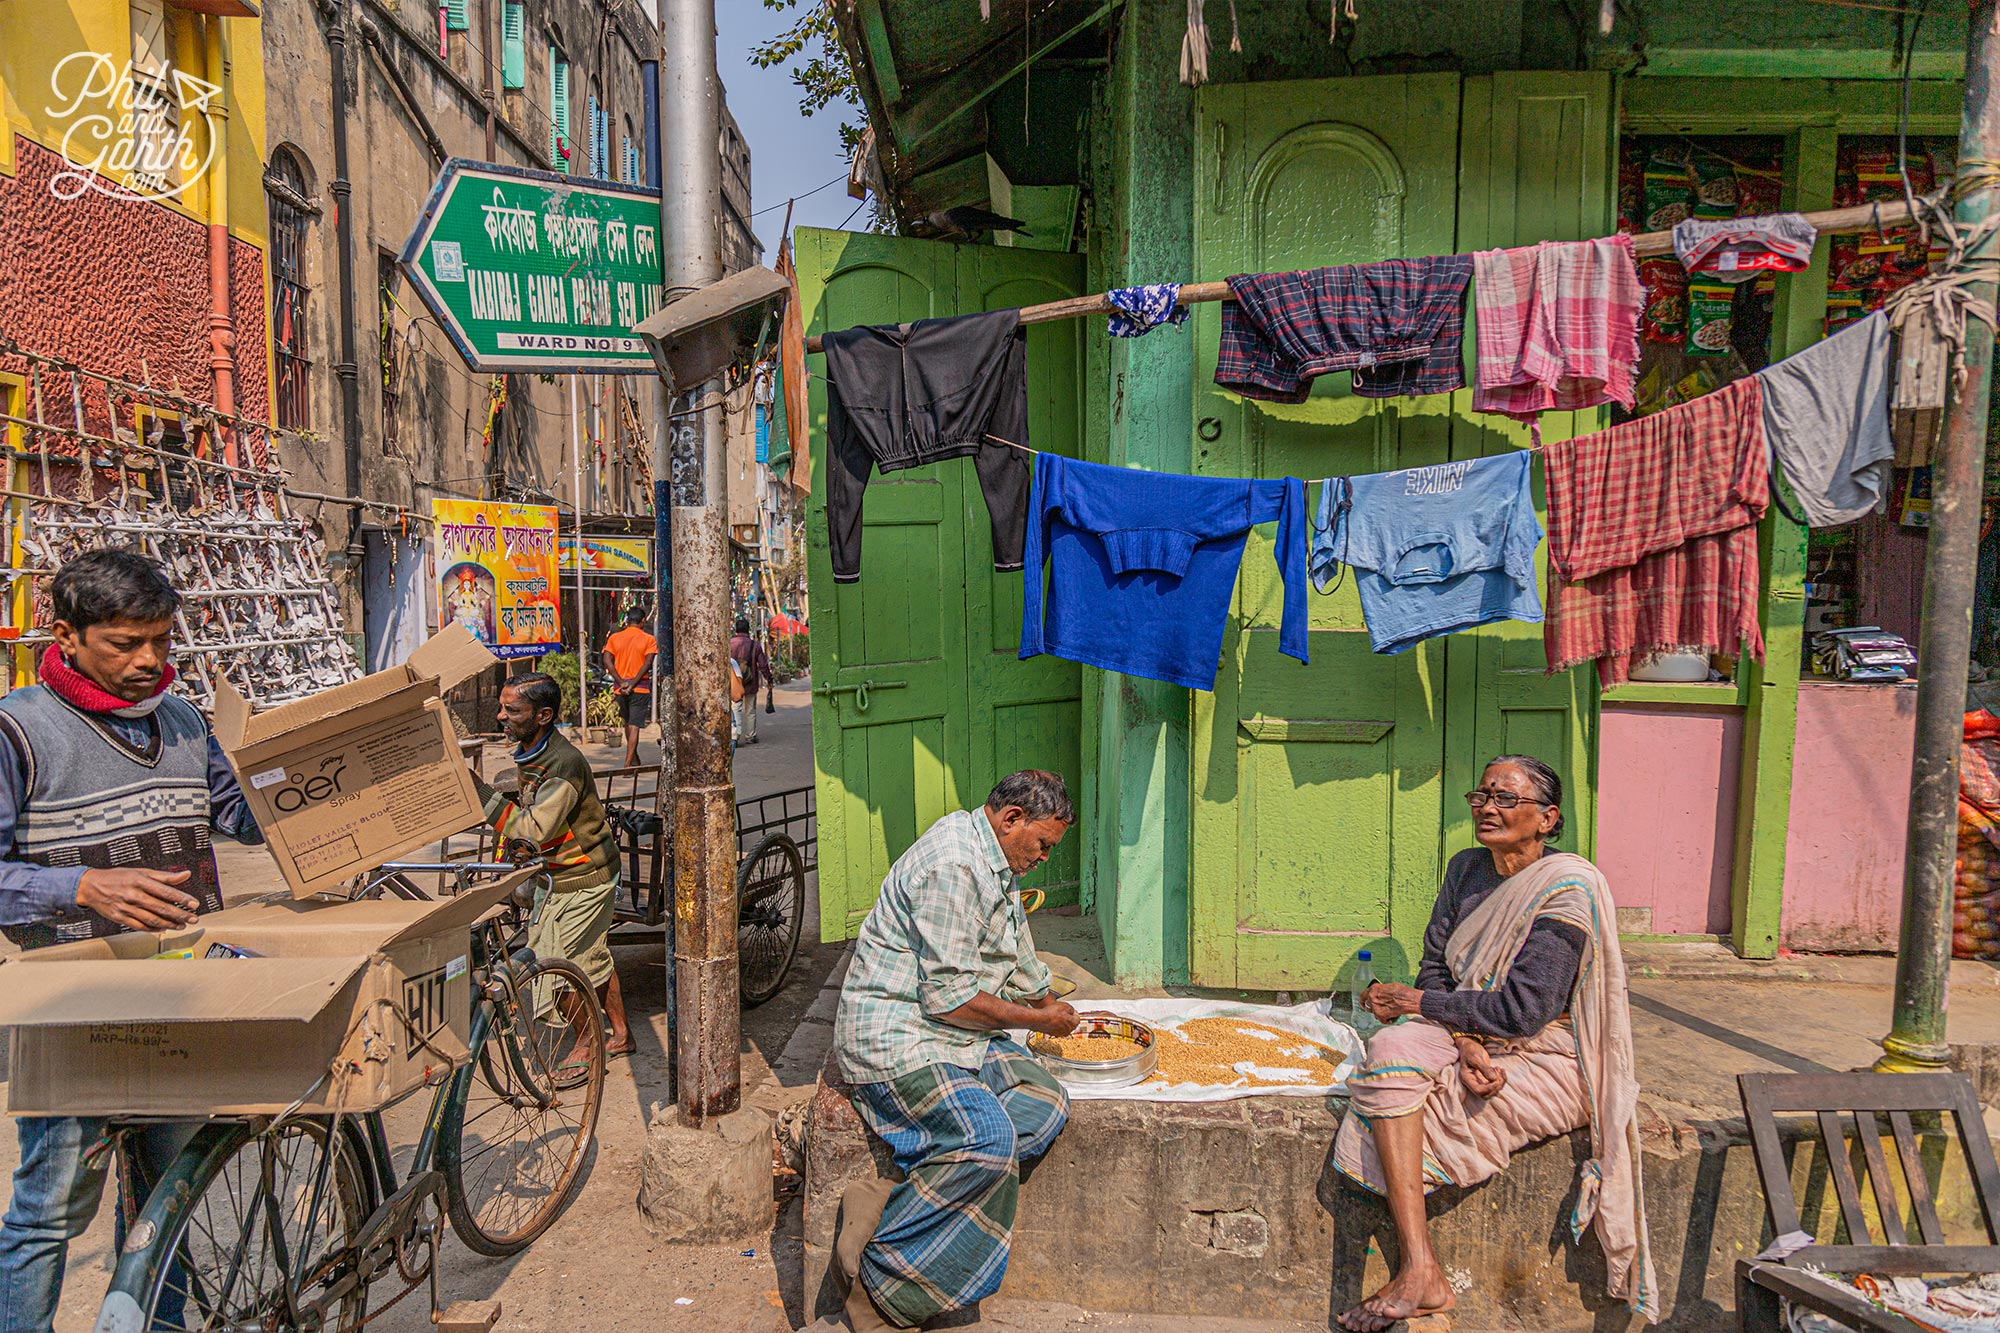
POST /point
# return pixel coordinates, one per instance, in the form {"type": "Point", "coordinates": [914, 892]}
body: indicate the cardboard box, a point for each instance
{"type": "Point", "coordinates": [359, 774]}
{"type": "Point", "coordinates": [350, 1006]}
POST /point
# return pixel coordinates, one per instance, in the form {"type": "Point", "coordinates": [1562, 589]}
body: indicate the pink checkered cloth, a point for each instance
{"type": "Point", "coordinates": [1557, 326]}
{"type": "Point", "coordinates": [1653, 534]}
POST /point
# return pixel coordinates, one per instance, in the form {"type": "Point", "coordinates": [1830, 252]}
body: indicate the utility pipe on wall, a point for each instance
{"type": "Point", "coordinates": [348, 369]}
{"type": "Point", "coordinates": [1916, 1040]}
{"type": "Point", "coordinates": [221, 323]}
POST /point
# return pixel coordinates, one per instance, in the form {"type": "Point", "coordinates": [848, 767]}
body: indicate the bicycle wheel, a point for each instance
{"type": "Point", "coordinates": [771, 893]}
{"type": "Point", "coordinates": [520, 1118]}
{"type": "Point", "coordinates": [225, 1240]}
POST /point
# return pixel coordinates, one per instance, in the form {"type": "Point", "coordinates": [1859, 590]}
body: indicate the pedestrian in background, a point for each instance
{"type": "Point", "coordinates": [628, 656]}
{"type": "Point", "coordinates": [753, 667]}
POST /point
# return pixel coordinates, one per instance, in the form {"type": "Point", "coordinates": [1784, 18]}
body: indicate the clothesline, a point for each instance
{"type": "Point", "coordinates": [1645, 245]}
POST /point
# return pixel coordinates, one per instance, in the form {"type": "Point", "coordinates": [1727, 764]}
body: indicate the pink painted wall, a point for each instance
{"type": "Point", "coordinates": [1850, 807]}
{"type": "Point", "coordinates": [1666, 813]}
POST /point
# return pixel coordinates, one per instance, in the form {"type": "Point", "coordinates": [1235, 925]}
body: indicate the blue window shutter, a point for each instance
{"type": "Point", "coordinates": [513, 45]}
{"type": "Point", "coordinates": [628, 159]}
{"type": "Point", "coordinates": [763, 433]}
{"type": "Point", "coordinates": [455, 16]}
{"type": "Point", "coordinates": [603, 129]}
{"type": "Point", "coordinates": [559, 138]}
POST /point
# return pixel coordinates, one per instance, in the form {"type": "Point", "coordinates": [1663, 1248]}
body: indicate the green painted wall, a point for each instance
{"type": "Point", "coordinates": [1143, 390]}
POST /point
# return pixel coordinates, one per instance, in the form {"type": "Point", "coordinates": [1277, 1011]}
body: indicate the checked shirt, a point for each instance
{"type": "Point", "coordinates": [1397, 325]}
{"type": "Point", "coordinates": [948, 925]}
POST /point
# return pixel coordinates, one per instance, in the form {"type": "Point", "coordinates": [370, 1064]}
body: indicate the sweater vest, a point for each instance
{"type": "Point", "coordinates": [92, 800]}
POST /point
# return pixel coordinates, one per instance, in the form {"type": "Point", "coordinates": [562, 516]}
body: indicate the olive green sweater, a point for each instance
{"type": "Point", "coordinates": [557, 809]}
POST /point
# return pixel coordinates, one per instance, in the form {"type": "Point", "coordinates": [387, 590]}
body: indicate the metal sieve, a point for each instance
{"type": "Point", "coordinates": [1120, 1073]}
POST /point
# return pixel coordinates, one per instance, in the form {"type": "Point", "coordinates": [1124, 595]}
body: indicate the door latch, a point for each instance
{"type": "Point", "coordinates": [860, 689]}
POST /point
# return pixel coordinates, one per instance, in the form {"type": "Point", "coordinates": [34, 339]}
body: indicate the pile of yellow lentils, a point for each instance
{"type": "Point", "coordinates": [1206, 1051]}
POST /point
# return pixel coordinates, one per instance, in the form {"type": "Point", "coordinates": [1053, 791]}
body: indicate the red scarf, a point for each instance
{"type": "Point", "coordinates": [82, 692]}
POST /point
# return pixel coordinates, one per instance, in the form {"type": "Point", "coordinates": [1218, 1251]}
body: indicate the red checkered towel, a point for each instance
{"type": "Point", "coordinates": [1557, 326]}
{"type": "Point", "coordinates": [1653, 534]}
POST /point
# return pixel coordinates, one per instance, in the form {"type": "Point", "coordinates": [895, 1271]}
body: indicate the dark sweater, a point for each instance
{"type": "Point", "coordinates": [1538, 983]}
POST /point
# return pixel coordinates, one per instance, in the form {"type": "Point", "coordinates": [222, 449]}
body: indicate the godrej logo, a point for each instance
{"type": "Point", "coordinates": [127, 133]}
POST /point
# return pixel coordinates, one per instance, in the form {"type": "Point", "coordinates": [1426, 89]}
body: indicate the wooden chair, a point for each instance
{"type": "Point", "coordinates": [1761, 1284]}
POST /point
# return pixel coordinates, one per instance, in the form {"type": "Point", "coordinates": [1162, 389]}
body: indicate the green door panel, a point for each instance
{"type": "Point", "coordinates": [1537, 162]}
{"type": "Point", "coordinates": [1316, 789]}
{"type": "Point", "coordinates": [1024, 714]}
{"type": "Point", "coordinates": [885, 771]}
{"type": "Point", "coordinates": [929, 627]}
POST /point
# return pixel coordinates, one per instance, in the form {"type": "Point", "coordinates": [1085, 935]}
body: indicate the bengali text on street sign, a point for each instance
{"type": "Point", "coordinates": [530, 270]}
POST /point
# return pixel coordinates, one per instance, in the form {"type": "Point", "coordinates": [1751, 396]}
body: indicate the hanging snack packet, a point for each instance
{"type": "Point", "coordinates": [1631, 187]}
{"type": "Point", "coordinates": [1715, 189]}
{"type": "Point", "coordinates": [1664, 319]}
{"type": "Point", "coordinates": [1848, 270]}
{"type": "Point", "coordinates": [1670, 193]}
{"type": "Point", "coordinates": [1758, 192]}
{"type": "Point", "coordinates": [1709, 306]}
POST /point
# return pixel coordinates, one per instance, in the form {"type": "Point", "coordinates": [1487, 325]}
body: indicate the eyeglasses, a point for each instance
{"type": "Point", "coordinates": [1500, 800]}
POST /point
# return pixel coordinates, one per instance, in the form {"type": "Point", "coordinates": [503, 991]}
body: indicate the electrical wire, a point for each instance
{"type": "Point", "coordinates": [795, 198]}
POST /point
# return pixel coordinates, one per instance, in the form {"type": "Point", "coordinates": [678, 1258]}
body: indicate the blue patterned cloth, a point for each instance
{"type": "Point", "coordinates": [1143, 309]}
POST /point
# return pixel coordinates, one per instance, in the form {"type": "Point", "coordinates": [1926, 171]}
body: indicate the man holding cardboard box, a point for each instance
{"type": "Point", "coordinates": [109, 788]}
{"type": "Point", "coordinates": [556, 809]}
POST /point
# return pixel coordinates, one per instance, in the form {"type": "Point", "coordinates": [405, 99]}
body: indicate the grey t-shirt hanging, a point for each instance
{"type": "Point", "coordinates": [1826, 414]}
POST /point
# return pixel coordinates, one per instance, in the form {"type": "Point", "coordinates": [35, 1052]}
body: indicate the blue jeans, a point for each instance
{"type": "Point", "coordinates": [56, 1193]}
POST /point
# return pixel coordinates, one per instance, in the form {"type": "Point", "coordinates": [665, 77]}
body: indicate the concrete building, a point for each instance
{"type": "Point", "coordinates": [549, 85]}
{"type": "Point", "coordinates": [132, 291]}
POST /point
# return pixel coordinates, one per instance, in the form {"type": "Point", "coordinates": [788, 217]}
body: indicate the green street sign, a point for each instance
{"type": "Point", "coordinates": [530, 270]}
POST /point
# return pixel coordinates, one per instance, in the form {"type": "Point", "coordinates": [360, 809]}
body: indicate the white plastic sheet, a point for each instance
{"type": "Point", "coordinates": [1313, 1020]}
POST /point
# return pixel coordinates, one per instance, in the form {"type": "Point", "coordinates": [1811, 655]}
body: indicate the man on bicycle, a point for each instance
{"type": "Point", "coordinates": [109, 789]}
{"type": "Point", "coordinates": [557, 809]}
{"type": "Point", "coordinates": [944, 966]}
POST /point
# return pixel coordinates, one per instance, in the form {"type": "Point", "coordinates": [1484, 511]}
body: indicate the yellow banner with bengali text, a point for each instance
{"type": "Point", "coordinates": [497, 575]}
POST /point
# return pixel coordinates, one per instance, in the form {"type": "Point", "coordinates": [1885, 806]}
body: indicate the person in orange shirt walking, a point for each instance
{"type": "Point", "coordinates": [628, 656]}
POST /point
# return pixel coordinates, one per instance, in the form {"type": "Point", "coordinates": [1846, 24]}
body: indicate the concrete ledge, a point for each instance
{"type": "Point", "coordinates": [1234, 1208]}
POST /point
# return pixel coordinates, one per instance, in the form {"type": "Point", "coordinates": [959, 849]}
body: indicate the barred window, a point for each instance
{"type": "Point", "coordinates": [288, 196]}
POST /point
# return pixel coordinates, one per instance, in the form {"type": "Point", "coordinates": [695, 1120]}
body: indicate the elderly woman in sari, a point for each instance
{"type": "Point", "coordinates": [1517, 1030]}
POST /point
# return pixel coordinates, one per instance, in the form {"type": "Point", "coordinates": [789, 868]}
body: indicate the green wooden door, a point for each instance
{"type": "Point", "coordinates": [1024, 714]}
{"type": "Point", "coordinates": [1327, 798]}
{"type": "Point", "coordinates": [1317, 790]}
{"type": "Point", "coordinates": [1537, 162]}
{"type": "Point", "coordinates": [925, 628]}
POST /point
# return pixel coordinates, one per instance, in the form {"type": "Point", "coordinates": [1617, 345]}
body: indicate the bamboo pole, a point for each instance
{"type": "Point", "coordinates": [1646, 245]}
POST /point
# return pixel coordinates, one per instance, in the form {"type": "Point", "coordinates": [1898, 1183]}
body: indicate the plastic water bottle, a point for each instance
{"type": "Point", "coordinates": [1358, 1016]}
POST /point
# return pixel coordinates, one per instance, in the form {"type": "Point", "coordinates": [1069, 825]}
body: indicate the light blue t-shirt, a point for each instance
{"type": "Point", "coordinates": [1433, 549]}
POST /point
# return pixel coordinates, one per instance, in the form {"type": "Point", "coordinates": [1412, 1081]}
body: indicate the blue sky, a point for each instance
{"type": "Point", "coordinates": [790, 153]}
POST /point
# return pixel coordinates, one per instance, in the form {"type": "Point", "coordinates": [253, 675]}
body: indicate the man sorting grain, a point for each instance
{"type": "Point", "coordinates": [943, 967]}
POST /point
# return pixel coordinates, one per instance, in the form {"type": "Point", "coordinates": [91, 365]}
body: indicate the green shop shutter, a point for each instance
{"type": "Point", "coordinates": [513, 45]}
{"type": "Point", "coordinates": [455, 17]}
{"type": "Point", "coordinates": [558, 109]}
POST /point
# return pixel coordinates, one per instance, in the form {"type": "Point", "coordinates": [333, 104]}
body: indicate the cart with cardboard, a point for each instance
{"type": "Point", "coordinates": [284, 1027]}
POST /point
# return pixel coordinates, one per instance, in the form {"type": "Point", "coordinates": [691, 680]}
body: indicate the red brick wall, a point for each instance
{"type": "Point", "coordinates": [120, 287]}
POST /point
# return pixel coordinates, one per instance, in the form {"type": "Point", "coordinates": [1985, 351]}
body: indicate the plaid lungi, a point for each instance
{"type": "Point", "coordinates": [1397, 324]}
{"type": "Point", "coordinates": [959, 1138]}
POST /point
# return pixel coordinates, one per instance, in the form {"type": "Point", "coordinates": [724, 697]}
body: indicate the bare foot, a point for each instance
{"type": "Point", "coordinates": [1412, 1292]}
